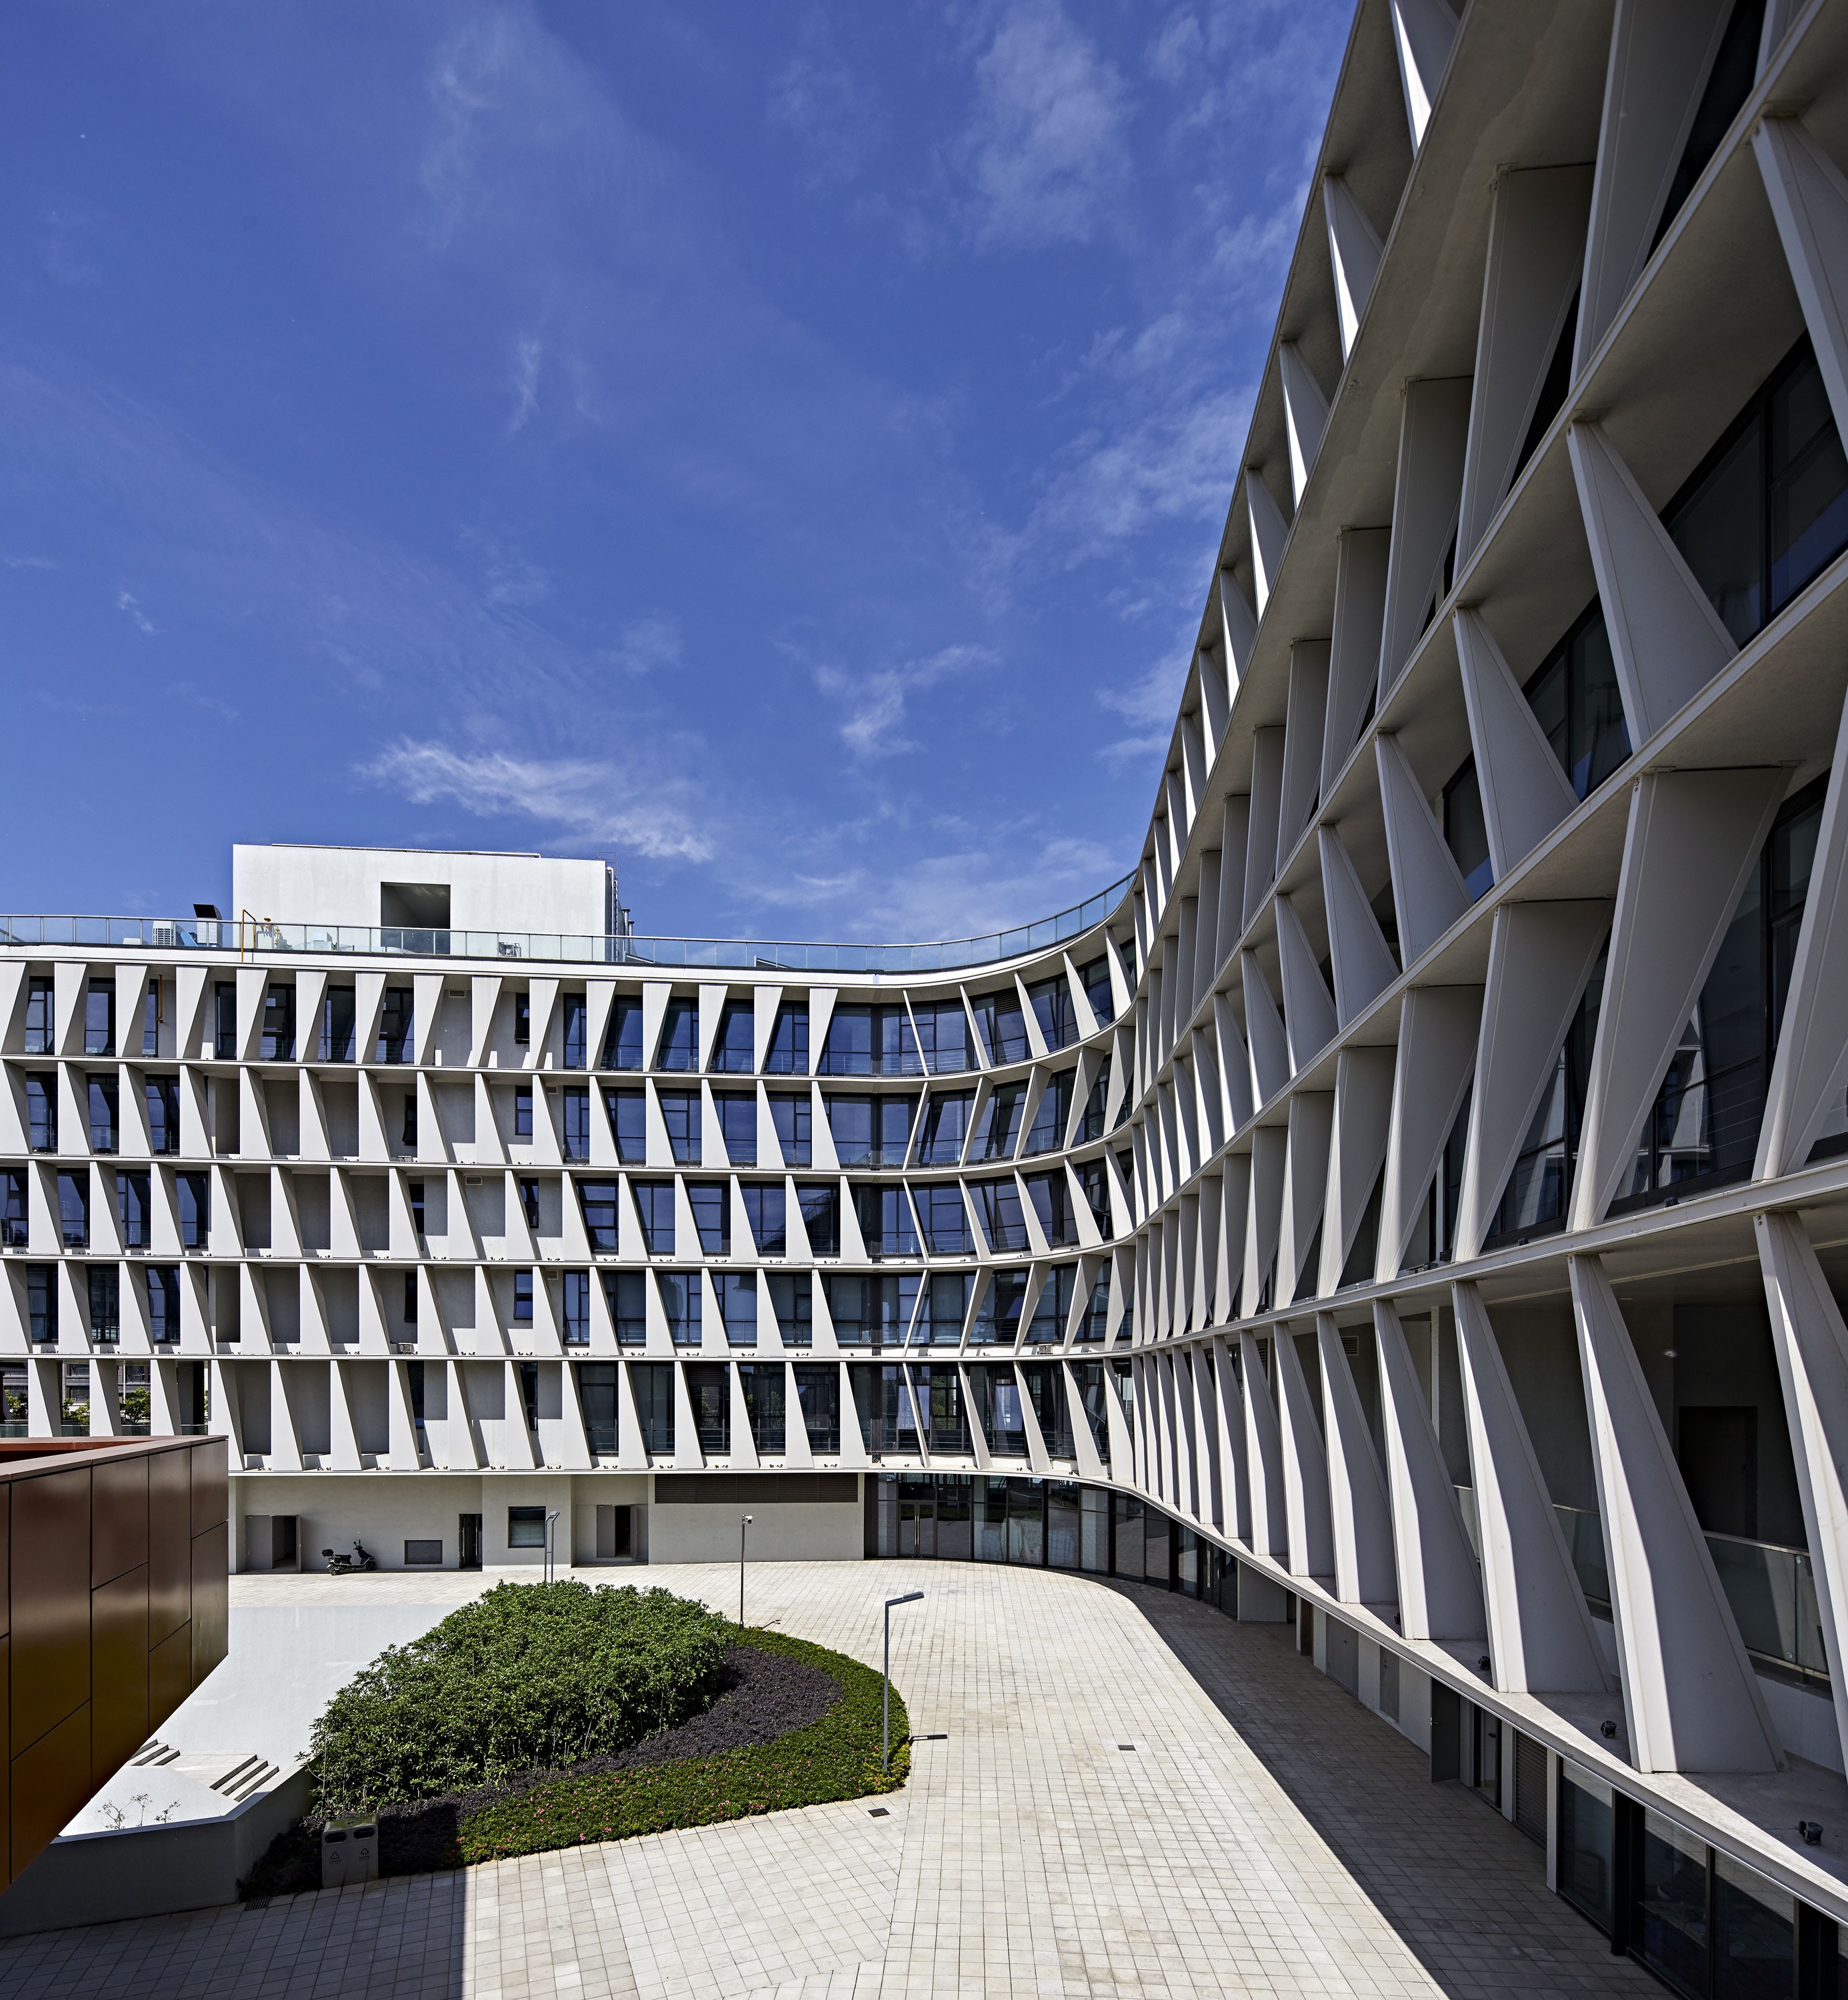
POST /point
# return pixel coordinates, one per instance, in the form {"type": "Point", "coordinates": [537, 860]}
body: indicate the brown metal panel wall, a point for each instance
{"type": "Point", "coordinates": [211, 1598]}
{"type": "Point", "coordinates": [50, 1785]}
{"type": "Point", "coordinates": [119, 1725]}
{"type": "Point", "coordinates": [50, 1605]}
{"type": "Point", "coordinates": [6, 1764]}
{"type": "Point", "coordinates": [169, 1677]}
{"type": "Point", "coordinates": [169, 1543]}
{"type": "Point", "coordinates": [211, 1485]}
{"type": "Point", "coordinates": [6, 1501]}
{"type": "Point", "coordinates": [118, 1516]}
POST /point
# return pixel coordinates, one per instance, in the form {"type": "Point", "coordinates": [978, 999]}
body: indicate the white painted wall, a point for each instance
{"type": "Point", "coordinates": [819, 1532]}
{"type": "Point", "coordinates": [488, 892]}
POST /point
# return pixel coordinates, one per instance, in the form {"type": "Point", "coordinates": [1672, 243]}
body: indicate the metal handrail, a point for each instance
{"type": "Point", "coordinates": [246, 937]}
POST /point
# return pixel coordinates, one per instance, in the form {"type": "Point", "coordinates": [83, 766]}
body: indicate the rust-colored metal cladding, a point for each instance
{"type": "Point", "coordinates": [113, 1607]}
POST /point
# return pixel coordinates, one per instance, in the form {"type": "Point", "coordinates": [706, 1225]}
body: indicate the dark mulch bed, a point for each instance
{"type": "Point", "coordinates": [763, 1695]}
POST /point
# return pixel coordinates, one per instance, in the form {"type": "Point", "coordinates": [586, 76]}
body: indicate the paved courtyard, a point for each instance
{"type": "Point", "coordinates": [1265, 1835]}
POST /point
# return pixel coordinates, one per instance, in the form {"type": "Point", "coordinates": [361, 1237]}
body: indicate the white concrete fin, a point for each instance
{"type": "Point", "coordinates": [1536, 260]}
{"type": "Point", "coordinates": [1356, 1153]}
{"type": "Point", "coordinates": [1309, 1530]}
{"type": "Point", "coordinates": [1661, 51]}
{"type": "Point", "coordinates": [1811, 1343]}
{"type": "Point", "coordinates": [1269, 1146]}
{"type": "Point", "coordinates": [1436, 1056]}
{"type": "Point", "coordinates": [1360, 1514]}
{"type": "Point", "coordinates": [1540, 955]}
{"type": "Point", "coordinates": [1433, 429]}
{"type": "Point", "coordinates": [1235, 1063]}
{"type": "Point", "coordinates": [1269, 1044]}
{"type": "Point", "coordinates": [1206, 946]}
{"type": "Point", "coordinates": [1809, 1075]}
{"type": "Point", "coordinates": [1215, 699]}
{"type": "Point", "coordinates": [1305, 413]}
{"type": "Point", "coordinates": [1235, 1205]}
{"type": "Point", "coordinates": [1779, 15]}
{"type": "Point", "coordinates": [1305, 1188]}
{"type": "Point", "coordinates": [1525, 792]}
{"type": "Point", "coordinates": [1691, 844]}
{"type": "Point", "coordinates": [1303, 730]}
{"type": "Point", "coordinates": [1360, 564]}
{"type": "Point", "coordinates": [1440, 1581]}
{"type": "Point", "coordinates": [1423, 32]}
{"type": "Point", "coordinates": [1541, 1636]}
{"type": "Point", "coordinates": [1809, 196]}
{"type": "Point", "coordinates": [1361, 958]}
{"type": "Point", "coordinates": [1235, 836]}
{"type": "Point", "coordinates": [1234, 1456]}
{"type": "Point", "coordinates": [1666, 639]}
{"type": "Point", "coordinates": [1428, 890]}
{"type": "Point", "coordinates": [1264, 809]}
{"type": "Point", "coordinates": [1355, 251]}
{"type": "Point", "coordinates": [1269, 532]}
{"type": "Point", "coordinates": [1692, 1699]}
{"type": "Point", "coordinates": [1264, 1456]}
{"type": "Point", "coordinates": [1308, 1009]}
{"type": "Point", "coordinates": [1238, 631]}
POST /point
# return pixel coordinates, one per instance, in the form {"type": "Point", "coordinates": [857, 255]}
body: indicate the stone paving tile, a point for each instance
{"type": "Point", "coordinates": [1265, 1836]}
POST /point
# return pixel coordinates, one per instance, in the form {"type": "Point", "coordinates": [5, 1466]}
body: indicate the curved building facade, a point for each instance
{"type": "Point", "coordinates": [1413, 1204]}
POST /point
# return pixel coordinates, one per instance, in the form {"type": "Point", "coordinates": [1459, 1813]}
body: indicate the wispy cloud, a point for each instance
{"type": "Point", "coordinates": [589, 801]}
{"type": "Point", "coordinates": [834, 114]}
{"type": "Point", "coordinates": [1046, 141]}
{"type": "Point", "coordinates": [646, 643]}
{"type": "Point", "coordinates": [874, 704]}
{"type": "Point", "coordinates": [127, 601]}
{"type": "Point", "coordinates": [527, 354]}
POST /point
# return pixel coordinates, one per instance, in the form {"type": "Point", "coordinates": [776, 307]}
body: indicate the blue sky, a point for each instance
{"type": "Point", "coordinates": [782, 446]}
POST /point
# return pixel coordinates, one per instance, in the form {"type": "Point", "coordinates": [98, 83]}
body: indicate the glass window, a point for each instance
{"type": "Point", "coordinates": [764, 1209]}
{"type": "Point", "coordinates": [522, 1020]}
{"type": "Point", "coordinates": [944, 1130]}
{"type": "Point", "coordinates": [791, 1114]}
{"type": "Point", "coordinates": [788, 1053]}
{"type": "Point", "coordinates": [1094, 1184]}
{"type": "Point", "coordinates": [529, 1201]}
{"type": "Point", "coordinates": [526, 1527]}
{"type": "Point", "coordinates": [1003, 1423]}
{"type": "Point", "coordinates": [41, 1111]}
{"type": "Point", "coordinates": [1534, 1199]}
{"type": "Point", "coordinates": [943, 1035]}
{"type": "Point", "coordinates": [597, 1199]}
{"type": "Point", "coordinates": [577, 1309]}
{"type": "Point", "coordinates": [680, 1114]}
{"type": "Point", "coordinates": [41, 1301]}
{"type": "Point", "coordinates": [628, 1114]}
{"type": "Point", "coordinates": [1047, 1133]}
{"type": "Point", "coordinates": [710, 1202]}
{"type": "Point", "coordinates": [625, 1293]}
{"type": "Point", "coordinates": [999, 1131]}
{"type": "Point", "coordinates": [998, 1316]}
{"type": "Point", "coordinates": [1052, 1311]}
{"type": "Point", "coordinates": [133, 1211]}
{"type": "Point", "coordinates": [792, 1300]}
{"type": "Point", "coordinates": [944, 1218]}
{"type": "Point", "coordinates": [1003, 1025]}
{"type": "Point", "coordinates": [943, 1305]}
{"type": "Point", "coordinates": [575, 1010]}
{"type": "Point", "coordinates": [41, 1018]}
{"type": "Point", "coordinates": [15, 1222]}
{"type": "Point", "coordinates": [998, 1203]}
{"type": "Point", "coordinates": [737, 1293]}
{"type": "Point", "coordinates": [622, 1043]}
{"type": "Point", "coordinates": [853, 1307]}
{"type": "Point", "coordinates": [410, 1298]}
{"type": "Point", "coordinates": [104, 1283]}
{"type": "Point", "coordinates": [678, 1046]}
{"type": "Point", "coordinates": [654, 1207]}
{"type": "Point", "coordinates": [1095, 1326]}
{"type": "Point", "coordinates": [1094, 978]}
{"type": "Point", "coordinates": [397, 1022]}
{"type": "Point", "coordinates": [338, 1025]}
{"type": "Point", "coordinates": [1054, 1010]}
{"type": "Point", "coordinates": [732, 1050]}
{"type": "Point", "coordinates": [1091, 1390]}
{"type": "Point", "coordinates": [820, 1203]}
{"type": "Point", "coordinates": [576, 1104]}
{"type": "Point", "coordinates": [1091, 1125]}
{"type": "Point", "coordinates": [683, 1298]}
{"type": "Point", "coordinates": [163, 1113]}
{"type": "Point", "coordinates": [763, 1386]}
{"type": "Point", "coordinates": [74, 1209]}
{"type": "Point", "coordinates": [522, 1297]}
{"type": "Point", "coordinates": [737, 1111]}
{"type": "Point", "coordinates": [150, 1019]}
{"type": "Point", "coordinates": [818, 1393]}
{"type": "Point", "coordinates": [102, 1113]}
{"type": "Point", "coordinates": [410, 1125]}
{"type": "Point", "coordinates": [1050, 1195]}
{"type": "Point", "coordinates": [597, 1398]}
{"type": "Point", "coordinates": [894, 1046]}
{"type": "Point", "coordinates": [850, 1127]}
{"type": "Point", "coordinates": [1466, 831]}
{"type": "Point", "coordinates": [939, 1402]}
{"type": "Point", "coordinates": [1755, 1934]}
{"type": "Point", "coordinates": [709, 1391]}
{"type": "Point", "coordinates": [653, 1383]}
{"type": "Point", "coordinates": [1575, 697]}
{"type": "Point", "coordinates": [278, 1043]}
{"type": "Point", "coordinates": [1729, 84]}
{"type": "Point", "coordinates": [1670, 1928]}
{"type": "Point", "coordinates": [194, 1202]}
{"type": "Point", "coordinates": [894, 1122]}
{"type": "Point", "coordinates": [163, 1302]}
{"type": "Point", "coordinates": [885, 1221]}
{"type": "Point", "coordinates": [99, 1018]}
{"type": "Point", "coordinates": [848, 1050]}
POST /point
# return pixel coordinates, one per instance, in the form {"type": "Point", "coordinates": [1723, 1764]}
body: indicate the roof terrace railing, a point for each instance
{"type": "Point", "coordinates": [248, 937]}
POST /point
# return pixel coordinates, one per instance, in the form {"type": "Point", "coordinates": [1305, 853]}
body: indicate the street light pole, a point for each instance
{"type": "Point", "coordinates": [743, 1523]}
{"type": "Point", "coordinates": [885, 1720]}
{"type": "Point", "coordinates": [550, 1548]}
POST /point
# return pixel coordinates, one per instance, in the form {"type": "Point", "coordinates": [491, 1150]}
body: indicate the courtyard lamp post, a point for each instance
{"type": "Point", "coordinates": [885, 1719]}
{"type": "Point", "coordinates": [743, 1524]}
{"type": "Point", "coordinates": [550, 1554]}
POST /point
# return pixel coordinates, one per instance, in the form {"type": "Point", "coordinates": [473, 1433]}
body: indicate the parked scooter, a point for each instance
{"type": "Point", "coordinates": [352, 1565]}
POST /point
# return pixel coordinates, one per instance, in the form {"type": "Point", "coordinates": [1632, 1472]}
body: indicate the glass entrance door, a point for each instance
{"type": "Point", "coordinates": [470, 1542]}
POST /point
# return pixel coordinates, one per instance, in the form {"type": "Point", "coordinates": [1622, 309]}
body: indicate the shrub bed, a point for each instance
{"type": "Point", "coordinates": [529, 1677]}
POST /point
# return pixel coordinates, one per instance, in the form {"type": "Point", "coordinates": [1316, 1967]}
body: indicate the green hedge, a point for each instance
{"type": "Point", "coordinates": [837, 1757]}
{"type": "Point", "coordinates": [529, 1677]}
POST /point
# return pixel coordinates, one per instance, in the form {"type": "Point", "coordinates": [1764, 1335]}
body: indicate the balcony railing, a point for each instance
{"type": "Point", "coordinates": [248, 937]}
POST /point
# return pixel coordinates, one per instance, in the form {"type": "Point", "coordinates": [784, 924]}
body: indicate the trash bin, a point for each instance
{"type": "Point", "coordinates": [349, 1852]}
